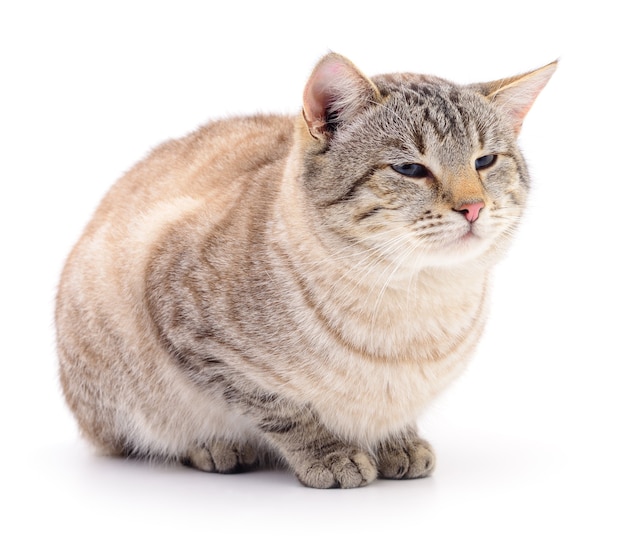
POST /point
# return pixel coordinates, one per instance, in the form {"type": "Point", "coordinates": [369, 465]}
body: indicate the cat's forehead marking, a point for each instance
{"type": "Point", "coordinates": [438, 107]}
{"type": "Point", "coordinates": [400, 82]}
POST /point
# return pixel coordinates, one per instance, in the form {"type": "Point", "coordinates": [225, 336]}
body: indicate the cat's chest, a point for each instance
{"type": "Point", "coordinates": [374, 371]}
{"type": "Point", "coordinates": [423, 319]}
{"type": "Point", "coordinates": [365, 398]}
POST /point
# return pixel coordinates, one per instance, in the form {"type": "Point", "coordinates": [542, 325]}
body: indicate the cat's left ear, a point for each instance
{"type": "Point", "coordinates": [335, 93]}
{"type": "Point", "coordinates": [515, 95]}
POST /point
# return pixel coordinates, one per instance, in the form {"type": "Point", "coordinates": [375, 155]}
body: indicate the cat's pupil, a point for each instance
{"type": "Point", "coordinates": [484, 161]}
{"type": "Point", "coordinates": [411, 170]}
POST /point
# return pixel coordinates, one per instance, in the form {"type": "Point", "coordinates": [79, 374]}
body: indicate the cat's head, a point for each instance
{"type": "Point", "coordinates": [414, 167]}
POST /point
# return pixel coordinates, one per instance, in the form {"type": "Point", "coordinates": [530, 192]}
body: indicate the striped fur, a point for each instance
{"type": "Point", "coordinates": [273, 289]}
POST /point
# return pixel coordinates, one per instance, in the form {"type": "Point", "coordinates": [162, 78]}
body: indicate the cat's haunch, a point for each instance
{"type": "Point", "coordinates": [295, 290]}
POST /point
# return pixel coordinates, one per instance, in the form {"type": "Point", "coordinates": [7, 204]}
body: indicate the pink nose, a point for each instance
{"type": "Point", "coordinates": [471, 210]}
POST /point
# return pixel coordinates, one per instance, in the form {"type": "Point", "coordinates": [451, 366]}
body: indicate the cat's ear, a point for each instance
{"type": "Point", "coordinates": [335, 93]}
{"type": "Point", "coordinates": [515, 95]}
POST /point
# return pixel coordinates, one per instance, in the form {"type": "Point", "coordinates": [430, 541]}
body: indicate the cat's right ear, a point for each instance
{"type": "Point", "coordinates": [335, 93]}
{"type": "Point", "coordinates": [515, 95]}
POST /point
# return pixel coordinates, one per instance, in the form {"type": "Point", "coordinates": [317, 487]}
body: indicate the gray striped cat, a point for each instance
{"type": "Point", "coordinates": [297, 289]}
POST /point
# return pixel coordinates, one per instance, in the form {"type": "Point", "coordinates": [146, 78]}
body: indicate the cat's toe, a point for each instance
{"type": "Point", "coordinates": [407, 458]}
{"type": "Point", "coordinates": [338, 470]}
{"type": "Point", "coordinates": [222, 457]}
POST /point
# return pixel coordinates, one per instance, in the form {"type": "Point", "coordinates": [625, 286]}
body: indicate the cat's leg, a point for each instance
{"type": "Point", "coordinates": [221, 456]}
{"type": "Point", "coordinates": [405, 457]}
{"type": "Point", "coordinates": [318, 458]}
{"type": "Point", "coordinates": [293, 433]}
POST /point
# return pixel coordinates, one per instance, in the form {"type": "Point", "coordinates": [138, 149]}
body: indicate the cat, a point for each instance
{"type": "Point", "coordinates": [295, 290]}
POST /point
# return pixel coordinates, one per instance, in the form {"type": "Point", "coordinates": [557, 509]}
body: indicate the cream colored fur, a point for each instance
{"type": "Point", "coordinates": [271, 286]}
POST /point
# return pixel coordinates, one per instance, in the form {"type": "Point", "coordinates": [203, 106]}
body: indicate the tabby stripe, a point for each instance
{"type": "Point", "coordinates": [314, 307]}
{"type": "Point", "coordinates": [278, 426]}
{"type": "Point", "coordinates": [369, 213]}
{"type": "Point", "coordinates": [470, 333]}
{"type": "Point", "coordinates": [520, 166]}
{"type": "Point", "coordinates": [349, 195]}
{"type": "Point", "coordinates": [317, 310]}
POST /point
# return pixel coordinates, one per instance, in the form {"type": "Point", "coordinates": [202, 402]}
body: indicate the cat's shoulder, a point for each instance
{"type": "Point", "coordinates": [230, 139]}
{"type": "Point", "coordinates": [264, 125]}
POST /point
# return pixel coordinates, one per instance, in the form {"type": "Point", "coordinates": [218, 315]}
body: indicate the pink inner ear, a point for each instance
{"type": "Point", "coordinates": [317, 97]}
{"type": "Point", "coordinates": [335, 87]}
{"type": "Point", "coordinates": [517, 115]}
{"type": "Point", "coordinates": [517, 97]}
{"type": "Point", "coordinates": [318, 92]}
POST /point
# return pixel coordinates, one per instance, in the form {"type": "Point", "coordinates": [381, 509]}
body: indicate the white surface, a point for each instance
{"type": "Point", "coordinates": [530, 441]}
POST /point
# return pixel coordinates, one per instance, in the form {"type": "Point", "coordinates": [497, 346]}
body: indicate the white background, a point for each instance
{"type": "Point", "coordinates": [530, 440]}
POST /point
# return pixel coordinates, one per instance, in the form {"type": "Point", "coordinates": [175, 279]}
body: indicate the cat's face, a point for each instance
{"type": "Point", "coordinates": [417, 165]}
{"type": "Point", "coordinates": [425, 172]}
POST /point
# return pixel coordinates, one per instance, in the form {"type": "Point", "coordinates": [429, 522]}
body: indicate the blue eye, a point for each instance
{"type": "Point", "coordinates": [411, 170]}
{"type": "Point", "coordinates": [484, 162]}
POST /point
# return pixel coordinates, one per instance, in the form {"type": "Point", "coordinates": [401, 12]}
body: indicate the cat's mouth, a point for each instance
{"type": "Point", "coordinates": [469, 238]}
{"type": "Point", "coordinates": [470, 234]}
{"type": "Point", "coordinates": [466, 234]}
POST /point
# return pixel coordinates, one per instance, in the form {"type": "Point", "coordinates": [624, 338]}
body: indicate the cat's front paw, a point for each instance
{"type": "Point", "coordinates": [405, 458]}
{"type": "Point", "coordinates": [344, 468]}
{"type": "Point", "coordinates": [222, 457]}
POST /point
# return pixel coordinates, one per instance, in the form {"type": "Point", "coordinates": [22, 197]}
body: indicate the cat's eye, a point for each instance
{"type": "Point", "coordinates": [411, 170]}
{"type": "Point", "coordinates": [484, 162]}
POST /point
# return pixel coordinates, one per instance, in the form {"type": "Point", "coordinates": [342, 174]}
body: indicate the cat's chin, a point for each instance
{"type": "Point", "coordinates": [460, 250]}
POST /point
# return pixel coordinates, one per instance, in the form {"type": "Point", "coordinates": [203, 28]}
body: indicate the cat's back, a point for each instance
{"type": "Point", "coordinates": [199, 180]}
{"type": "Point", "coordinates": [201, 177]}
{"type": "Point", "coordinates": [210, 165]}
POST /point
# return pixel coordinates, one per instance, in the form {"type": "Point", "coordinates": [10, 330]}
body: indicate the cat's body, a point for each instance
{"type": "Point", "coordinates": [296, 288]}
